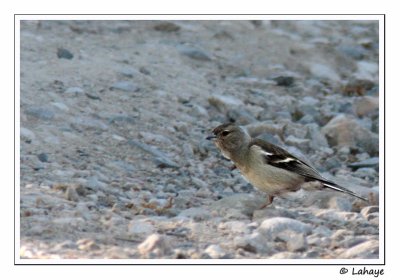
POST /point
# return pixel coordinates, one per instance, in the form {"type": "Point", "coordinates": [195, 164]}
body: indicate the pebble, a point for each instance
{"type": "Point", "coordinates": [297, 142]}
{"type": "Point", "coordinates": [42, 113]}
{"type": "Point", "coordinates": [340, 203]}
{"type": "Point", "coordinates": [155, 243]}
{"type": "Point", "coordinates": [344, 131]}
{"type": "Point", "coordinates": [239, 205]}
{"type": "Point", "coordinates": [167, 26]}
{"type": "Point", "coordinates": [27, 135]}
{"type": "Point", "coordinates": [365, 105]}
{"type": "Point", "coordinates": [371, 162]}
{"type": "Point", "coordinates": [284, 81]}
{"type": "Point", "coordinates": [160, 158]}
{"type": "Point", "coordinates": [365, 250]}
{"type": "Point", "coordinates": [126, 86]}
{"type": "Point", "coordinates": [194, 53]}
{"type": "Point", "coordinates": [224, 102]}
{"type": "Point", "coordinates": [64, 53]}
{"type": "Point", "coordinates": [74, 90]}
{"type": "Point", "coordinates": [43, 157]}
{"type": "Point", "coordinates": [215, 251]}
{"type": "Point", "coordinates": [369, 209]}
{"type": "Point", "coordinates": [324, 71]}
{"type": "Point", "coordinates": [273, 226]}
{"type": "Point", "coordinates": [141, 227]}
{"type": "Point", "coordinates": [196, 213]}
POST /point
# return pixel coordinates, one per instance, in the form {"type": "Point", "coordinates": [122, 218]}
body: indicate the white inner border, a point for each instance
{"type": "Point", "coordinates": [18, 18]}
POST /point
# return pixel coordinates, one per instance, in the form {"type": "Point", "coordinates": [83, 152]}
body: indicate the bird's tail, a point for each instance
{"type": "Point", "coordinates": [336, 187]}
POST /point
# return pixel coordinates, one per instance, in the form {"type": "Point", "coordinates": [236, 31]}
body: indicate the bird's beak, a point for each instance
{"type": "Point", "coordinates": [209, 137]}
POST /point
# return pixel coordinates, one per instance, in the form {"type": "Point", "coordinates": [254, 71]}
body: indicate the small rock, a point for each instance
{"type": "Point", "coordinates": [318, 140]}
{"type": "Point", "coordinates": [244, 204]}
{"type": "Point", "coordinates": [255, 243]}
{"type": "Point", "coordinates": [42, 113]}
{"type": "Point", "coordinates": [365, 250]}
{"type": "Point", "coordinates": [87, 245]}
{"type": "Point", "coordinates": [324, 72]}
{"type": "Point", "coordinates": [43, 157]}
{"type": "Point", "coordinates": [368, 210]}
{"type": "Point", "coordinates": [126, 86]}
{"type": "Point", "coordinates": [160, 158]}
{"type": "Point", "coordinates": [215, 251]}
{"type": "Point", "coordinates": [61, 106]}
{"type": "Point", "coordinates": [167, 27]}
{"type": "Point", "coordinates": [256, 129]}
{"type": "Point", "coordinates": [71, 194]}
{"type": "Point", "coordinates": [358, 87]}
{"type": "Point", "coordinates": [74, 90]}
{"type": "Point", "coordinates": [196, 213]}
{"type": "Point", "coordinates": [224, 103]}
{"type": "Point", "coordinates": [284, 81]}
{"type": "Point", "coordinates": [234, 227]}
{"type": "Point", "coordinates": [340, 203]}
{"type": "Point", "coordinates": [27, 135]}
{"type": "Point", "coordinates": [273, 226]}
{"type": "Point", "coordinates": [344, 131]}
{"type": "Point", "coordinates": [141, 227]}
{"type": "Point", "coordinates": [365, 105]}
{"type": "Point", "coordinates": [371, 162]}
{"type": "Point", "coordinates": [155, 243]}
{"type": "Point", "coordinates": [297, 142]}
{"type": "Point", "coordinates": [128, 72]}
{"type": "Point", "coordinates": [194, 53]}
{"type": "Point", "coordinates": [270, 212]}
{"type": "Point", "coordinates": [296, 242]}
{"type": "Point", "coordinates": [64, 53]}
{"type": "Point", "coordinates": [367, 70]}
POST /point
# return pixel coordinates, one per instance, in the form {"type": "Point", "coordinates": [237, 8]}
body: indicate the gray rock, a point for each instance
{"type": "Point", "coordinates": [367, 70]}
{"type": "Point", "coordinates": [129, 72]}
{"type": "Point", "coordinates": [297, 142]}
{"type": "Point", "coordinates": [243, 204]}
{"type": "Point", "coordinates": [64, 53]}
{"type": "Point", "coordinates": [345, 131]}
{"type": "Point", "coordinates": [196, 213]}
{"type": "Point", "coordinates": [284, 81]}
{"type": "Point", "coordinates": [255, 243]}
{"type": "Point", "coordinates": [74, 90]}
{"type": "Point", "coordinates": [224, 103]}
{"type": "Point", "coordinates": [160, 158]}
{"type": "Point", "coordinates": [141, 227]}
{"type": "Point", "coordinates": [126, 86]}
{"type": "Point", "coordinates": [259, 128]}
{"type": "Point", "coordinates": [42, 113]}
{"type": "Point", "coordinates": [156, 244]}
{"type": "Point", "coordinates": [215, 251]}
{"type": "Point", "coordinates": [27, 135]}
{"type": "Point", "coordinates": [365, 250]}
{"type": "Point", "coordinates": [167, 26]}
{"type": "Point", "coordinates": [371, 162]}
{"type": "Point", "coordinates": [273, 226]}
{"type": "Point", "coordinates": [296, 242]}
{"type": "Point", "coordinates": [240, 116]}
{"type": "Point", "coordinates": [194, 53]}
{"type": "Point", "coordinates": [318, 140]}
{"type": "Point", "coordinates": [369, 209]}
{"type": "Point", "coordinates": [43, 157]}
{"type": "Point", "coordinates": [365, 105]}
{"type": "Point", "coordinates": [323, 71]}
{"type": "Point", "coordinates": [270, 212]}
{"type": "Point", "coordinates": [340, 203]}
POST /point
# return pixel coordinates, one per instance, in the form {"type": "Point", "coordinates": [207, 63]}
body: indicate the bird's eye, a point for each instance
{"type": "Point", "coordinates": [225, 132]}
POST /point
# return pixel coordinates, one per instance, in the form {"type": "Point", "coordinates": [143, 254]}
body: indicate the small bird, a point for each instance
{"type": "Point", "coordinates": [268, 167]}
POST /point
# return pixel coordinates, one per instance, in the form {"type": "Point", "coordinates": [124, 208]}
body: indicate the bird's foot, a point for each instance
{"type": "Point", "coordinates": [270, 199]}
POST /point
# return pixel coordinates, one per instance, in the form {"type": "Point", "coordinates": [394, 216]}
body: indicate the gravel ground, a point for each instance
{"type": "Point", "coordinates": [114, 161]}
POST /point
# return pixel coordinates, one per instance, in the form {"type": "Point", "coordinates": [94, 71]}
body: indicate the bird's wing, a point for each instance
{"type": "Point", "coordinates": [280, 158]}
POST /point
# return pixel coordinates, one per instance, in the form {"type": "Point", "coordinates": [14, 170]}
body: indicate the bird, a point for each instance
{"type": "Point", "coordinates": [269, 167]}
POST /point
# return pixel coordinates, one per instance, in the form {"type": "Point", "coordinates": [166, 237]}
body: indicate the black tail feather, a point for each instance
{"type": "Point", "coordinates": [336, 187]}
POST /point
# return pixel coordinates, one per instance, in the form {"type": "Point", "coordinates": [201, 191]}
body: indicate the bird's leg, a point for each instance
{"type": "Point", "coordinates": [269, 201]}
